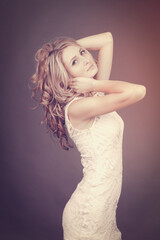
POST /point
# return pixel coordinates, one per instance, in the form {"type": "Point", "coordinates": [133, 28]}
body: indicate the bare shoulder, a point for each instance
{"type": "Point", "coordinates": [78, 106]}
{"type": "Point", "coordinates": [86, 108]}
{"type": "Point", "coordinates": [77, 113]}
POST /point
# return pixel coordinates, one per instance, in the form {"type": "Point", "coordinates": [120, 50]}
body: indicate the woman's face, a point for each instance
{"type": "Point", "coordinates": [79, 62]}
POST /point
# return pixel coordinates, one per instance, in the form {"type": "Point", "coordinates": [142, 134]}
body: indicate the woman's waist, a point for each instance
{"type": "Point", "coordinates": [95, 169]}
{"type": "Point", "coordinates": [100, 179]}
{"type": "Point", "coordinates": [86, 190]}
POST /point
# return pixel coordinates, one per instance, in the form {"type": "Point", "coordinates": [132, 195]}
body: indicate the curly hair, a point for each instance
{"type": "Point", "coordinates": [51, 81]}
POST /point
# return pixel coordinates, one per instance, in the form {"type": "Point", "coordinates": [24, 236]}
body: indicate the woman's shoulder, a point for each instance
{"type": "Point", "coordinates": [73, 115]}
{"type": "Point", "coordinates": [76, 98]}
{"type": "Point", "coordinates": [78, 107]}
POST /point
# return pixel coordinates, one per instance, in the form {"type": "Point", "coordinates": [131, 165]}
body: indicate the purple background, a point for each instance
{"type": "Point", "coordinates": [37, 177]}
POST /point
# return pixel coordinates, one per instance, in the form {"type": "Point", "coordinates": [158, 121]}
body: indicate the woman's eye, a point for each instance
{"type": "Point", "coordinates": [82, 52]}
{"type": "Point", "coordinates": [74, 62]}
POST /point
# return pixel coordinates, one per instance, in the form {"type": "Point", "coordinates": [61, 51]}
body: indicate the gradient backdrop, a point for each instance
{"type": "Point", "coordinates": [37, 177]}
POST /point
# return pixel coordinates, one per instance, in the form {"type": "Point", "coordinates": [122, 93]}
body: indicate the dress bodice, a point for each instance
{"type": "Point", "coordinates": [99, 144]}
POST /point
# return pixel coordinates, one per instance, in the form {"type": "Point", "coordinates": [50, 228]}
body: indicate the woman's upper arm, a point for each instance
{"type": "Point", "coordinates": [105, 56]}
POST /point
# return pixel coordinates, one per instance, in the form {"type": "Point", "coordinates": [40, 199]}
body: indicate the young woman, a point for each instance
{"type": "Point", "coordinates": [76, 95]}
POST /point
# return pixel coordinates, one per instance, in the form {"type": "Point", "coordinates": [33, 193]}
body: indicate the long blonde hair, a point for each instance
{"type": "Point", "coordinates": [51, 80]}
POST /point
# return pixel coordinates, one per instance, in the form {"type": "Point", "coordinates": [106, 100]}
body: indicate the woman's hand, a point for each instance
{"type": "Point", "coordinates": [82, 85]}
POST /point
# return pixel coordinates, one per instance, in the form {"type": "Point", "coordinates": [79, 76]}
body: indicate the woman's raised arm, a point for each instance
{"type": "Point", "coordinates": [119, 95]}
{"type": "Point", "coordinates": [104, 44]}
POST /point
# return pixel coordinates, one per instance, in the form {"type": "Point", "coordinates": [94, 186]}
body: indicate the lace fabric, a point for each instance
{"type": "Point", "coordinates": [90, 213]}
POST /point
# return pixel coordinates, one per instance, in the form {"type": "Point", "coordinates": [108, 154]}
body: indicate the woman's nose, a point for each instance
{"type": "Point", "coordinates": [85, 61]}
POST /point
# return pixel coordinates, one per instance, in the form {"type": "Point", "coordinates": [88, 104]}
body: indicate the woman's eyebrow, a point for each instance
{"type": "Point", "coordinates": [72, 59]}
{"type": "Point", "coordinates": [75, 55]}
{"type": "Point", "coordinates": [80, 49]}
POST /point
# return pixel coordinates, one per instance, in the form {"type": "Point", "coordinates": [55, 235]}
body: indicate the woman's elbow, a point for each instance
{"type": "Point", "coordinates": [142, 91]}
{"type": "Point", "coordinates": [139, 92]}
{"type": "Point", "coordinates": [109, 37]}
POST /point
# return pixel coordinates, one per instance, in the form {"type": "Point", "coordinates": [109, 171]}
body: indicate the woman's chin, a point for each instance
{"type": "Point", "coordinates": [93, 73]}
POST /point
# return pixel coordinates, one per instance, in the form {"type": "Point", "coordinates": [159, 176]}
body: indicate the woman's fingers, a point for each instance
{"type": "Point", "coordinates": [72, 83]}
{"type": "Point", "coordinates": [81, 84]}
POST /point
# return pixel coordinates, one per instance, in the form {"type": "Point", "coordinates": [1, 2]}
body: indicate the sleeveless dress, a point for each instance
{"type": "Point", "coordinates": [90, 213]}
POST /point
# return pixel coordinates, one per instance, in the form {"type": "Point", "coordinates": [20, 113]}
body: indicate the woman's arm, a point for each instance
{"type": "Point", "coordinates": [120, 94]}
{"type": "Point", "coordinates": [104, 44]}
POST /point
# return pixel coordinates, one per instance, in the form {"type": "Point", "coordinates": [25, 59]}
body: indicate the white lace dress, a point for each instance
{"type": "Point", "coordinates": [90, 213]}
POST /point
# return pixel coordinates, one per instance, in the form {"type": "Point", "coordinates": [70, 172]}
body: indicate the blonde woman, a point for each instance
{"type": "Point", "coordinates": [78, 97]}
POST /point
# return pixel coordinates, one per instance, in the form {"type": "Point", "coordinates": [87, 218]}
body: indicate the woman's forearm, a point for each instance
{"type": "Point", "coordinates": [126, 88]}
{"type": "Point", "coordinates": [96, 42]}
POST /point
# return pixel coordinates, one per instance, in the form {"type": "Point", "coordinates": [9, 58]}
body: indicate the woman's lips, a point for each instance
{"type": "Point", "coordinates": [90, 67]}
